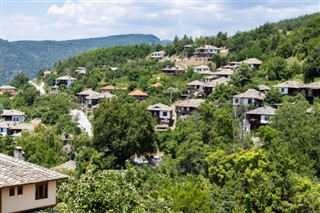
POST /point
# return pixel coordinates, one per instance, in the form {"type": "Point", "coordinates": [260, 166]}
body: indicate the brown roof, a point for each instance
{"type": "Point", "coordinates": [206, 72]}
{"type": "Point", "coordinates": [17, 126]}
{"type": "Point", "coordinates": [109, 87]}
{"type": "Point", "coordinates": [100, 96]}
{"type": "Point", "coordinates": [159, 107]}
{"type": "Point", "coordinates": [313, 85]}
{"type": "Point", "coordinates": [189, 103]}
{"type": "Point", "coordinates": [69, 165]}
{"type": "Point", "coordinates": [267, 110]}
{"type": "Point", "coordinates": [88, 92]}
{"type": "Point", "coordinates": [17, 172]}
{"type": "Point", "coordinates": [263, 88]}
{"type": "Point", "coordinates": [12, 112]}
{"type": "Point", "coordinates": [156, 85]}
{"type": "Point", "coordinates": [215, 82]}
{"type": "Point", "coordinates": [290, 84]}
{"type": "Point", "coordinates": [138, 93]}
{"type": "Point", "coordinates": [224, 72]}
{"type": "Point", "coordinates": [252, 61]}
{"type": "Point", "coordinates": [196, 83]}
{"type": "Point", "coordinates": [251, 93]}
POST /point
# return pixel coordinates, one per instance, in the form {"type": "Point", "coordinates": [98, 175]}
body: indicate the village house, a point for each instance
{"type": "Point", "coordinates": [263, 88]}
{"type": "Point", "coordinates": [82, 95]}
{"type": "Point", "coordinates": [13, 115]}
{"type": "Point", "coordinates": [253, 63]}
{"type": "Point", "coordinates": [249, 97]}
{"type": "Point", "coordinates": [205, 52]}
{"type": "Point", "coordinates": [208, 78]}
{"type": "Point", "coordinates": [13, 128]}
{"type": "Point", "coordinates": [312, 91]}
{"type": "Point", "coordinates": [233, 65]}
{"type": "Point", "coordinates": [108, 88]}
{"type": "Point", "coordinates": [54, 89]}
{"type": "Point", "coordinates": [157, 55]}
{"type": "Point", "coordinates": [206, 73]}
{"type": "Point", "coordinates": [172, 70]}
{"type": "Point", "coordinates": [162, 113]}
{"type": "Point", "coordinates": [226, 73]}
{"type": "Point", "coordinates": [81, 70]}
{"type": "Point", "coordinates": [139, 95]}
{"type": "Point", "coordinates": [258, 117]}
{"type": "Point", "coordinates": [24, 186]}
{"type": "Point", "coordinates": [93, 99]}
{"type": "Point", "coordinates": [201, 68]}
{"type": "Point", "coordinates": [186, 107]}
{"type": "Point", "coordinates": [290, 87]}
{"type": "Point", "coordinates": [210, 86]}
{"type": "Point", "coordinates": [66, 80]}
{"type": "Point", "coordinates": [195, 86]}
{"type": "Point", "coordinates": [7, 88]}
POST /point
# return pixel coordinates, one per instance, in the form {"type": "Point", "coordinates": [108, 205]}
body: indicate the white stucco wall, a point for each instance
{"type": "Point", "coordinates": [283, 91]}
{"type": "Point", "coordinates": [18, 118]}
{"type": "Point", "coordinates": [161, 116]}
{"type": "Point", "coordinates": [27, 200]}
{"type": "Point", "coordinates": [3, 131]}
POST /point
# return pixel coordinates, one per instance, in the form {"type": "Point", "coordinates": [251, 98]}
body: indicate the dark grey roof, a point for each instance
{"type": "Point", "coordinates": [17, 172]}
{"type": "Point", "coordinates": [262, 111]}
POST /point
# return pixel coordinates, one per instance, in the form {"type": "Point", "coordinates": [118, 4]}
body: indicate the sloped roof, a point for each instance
{"type": "Point", "coordinates": [107, 95]}
{"type": "Point", "coordinates": [263, 87]}
{"type": "Point", "coordinates": [17, 126]}
{"type": "Point", "coordinates": [290, 84]}
{"type": "Point", "coordinates": [266, 110]}
{"type": "Point", "coordinates": [159, 107]}
{"type": "Point", "coordinates": [217, 81]}
{"type": "Point", "coordinates": [252, 61]}
{"type": "Point", "coordinates": [206, 72]}
{"type": "Point", "coordinates": [224, 72]}
{"type": "Point", "coordinates": [156, 85]}
{"type": "Point", "coordinates": [202, 67]}
{"type": "Point", "coordinates": [313, 85]}
{"type": "Point", "coordinates": [138, 93]}
{"type": "Point", "coordinates": [189, 103]}
{"type": "Point", "coordinates": [69, 165]}
{"type": "Point", "coordinates": [88, 92]}
{"type": "Point", "coordinates": [109, 87]}
{"type": "Point", "coordinates": [7, 87]}
{"type": "Point", "coordinates": [251, 93]}
{"type": "Point", "coordinates": [67, 77]}
{"type": "Point", "coordinates": [12, 112]}
{"type": "Point", "coordinates": [196, 83]}
{"type": "Point", "coordinates": [17, 172]}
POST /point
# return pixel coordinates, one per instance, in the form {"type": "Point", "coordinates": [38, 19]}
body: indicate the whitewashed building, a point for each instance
{"type": "Point", "coordinates": [251, 96]}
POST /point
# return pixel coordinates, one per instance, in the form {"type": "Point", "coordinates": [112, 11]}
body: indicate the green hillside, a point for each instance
{"type": "Point", "coordinates": [30, 56]}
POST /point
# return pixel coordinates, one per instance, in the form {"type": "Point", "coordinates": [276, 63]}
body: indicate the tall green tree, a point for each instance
{"type": "Point", "coordinates": [123, 130]}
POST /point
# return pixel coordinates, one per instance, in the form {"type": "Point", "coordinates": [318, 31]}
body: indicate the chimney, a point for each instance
{"type": "Point", "coordinates": [18, 153]}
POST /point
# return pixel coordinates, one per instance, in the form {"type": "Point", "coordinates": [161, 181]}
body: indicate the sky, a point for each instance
{"type": "Point", "coordinates": [75, 19]}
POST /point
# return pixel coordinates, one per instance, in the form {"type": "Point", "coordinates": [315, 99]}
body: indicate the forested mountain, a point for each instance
{"type": "Point", "coordinates": [30, 56]}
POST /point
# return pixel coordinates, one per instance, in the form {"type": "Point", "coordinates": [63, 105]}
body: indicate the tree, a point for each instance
{"type": "Point", "coordinates": [311, 67]}
{"type": "Point", "coordinates": [123, 130]}
{"type": "Point", "coordinates": [242, 76]}
{"type": "Point", "coordinates": [275, 69]}
{"type": "Point", "coordinates": [273, 96]}
{"type": "Point", "coordinates": [20, 80]}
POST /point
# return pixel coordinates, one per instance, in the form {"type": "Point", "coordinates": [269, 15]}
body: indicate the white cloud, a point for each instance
{"type": "Point", "coordinates": [81, 19]}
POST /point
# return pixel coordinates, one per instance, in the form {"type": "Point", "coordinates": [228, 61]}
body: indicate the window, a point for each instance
{"type": "Point", "coordinates": [11, 191]}
{"type": "Point", "coordinates": [41, 191]}
{"type": "Point", "coordinates": [282, 90]}
{"type": "Point", "coordinates": [20, 190]}
{"type": "Point", "coordinates": [236, 100]}
{"type": "Point", "coordinates": [165, 113]}
{"type": "Point", "coordinates": [266, 118]}
{"type": "Point", "coordinates": [249, 101]}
